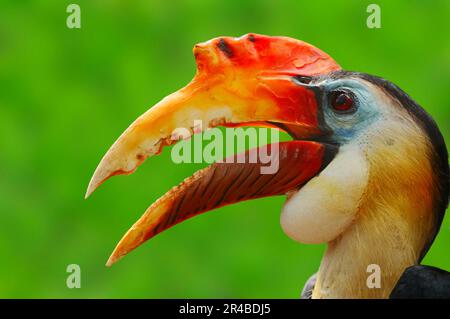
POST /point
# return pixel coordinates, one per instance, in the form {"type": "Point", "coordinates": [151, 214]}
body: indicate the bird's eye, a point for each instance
{"type": "Point", "coordinates": [342, 101]}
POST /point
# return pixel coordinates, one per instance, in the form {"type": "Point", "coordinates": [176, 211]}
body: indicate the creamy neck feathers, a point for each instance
{"type": "Point", "coordinates": [394, 220]}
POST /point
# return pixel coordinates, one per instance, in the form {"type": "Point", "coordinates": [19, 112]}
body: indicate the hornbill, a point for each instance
{"type": "Point", "coordinates": [366, 170]}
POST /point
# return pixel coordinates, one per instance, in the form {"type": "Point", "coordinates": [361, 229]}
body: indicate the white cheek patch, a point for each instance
{"type": "Point", "coordinates": [327, 204]}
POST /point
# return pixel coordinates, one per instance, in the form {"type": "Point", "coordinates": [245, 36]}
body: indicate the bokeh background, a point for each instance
{"type": "Point", "coordinates": [66, 95]}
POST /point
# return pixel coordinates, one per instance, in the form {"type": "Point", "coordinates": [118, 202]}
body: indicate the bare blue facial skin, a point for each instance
{"type": "Point", "coordinates": [347, 126]}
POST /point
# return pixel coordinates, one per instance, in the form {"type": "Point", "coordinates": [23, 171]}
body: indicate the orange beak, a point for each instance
{"type": "Point", "coordinates": [239, 82]}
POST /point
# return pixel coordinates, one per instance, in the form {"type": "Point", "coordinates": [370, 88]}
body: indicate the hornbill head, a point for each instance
{"type": "Point", "coordinates": [366, 171]}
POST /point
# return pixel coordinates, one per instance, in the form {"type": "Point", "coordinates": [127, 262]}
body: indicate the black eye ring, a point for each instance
{"type": "Point", "coordinates": [343, 101]}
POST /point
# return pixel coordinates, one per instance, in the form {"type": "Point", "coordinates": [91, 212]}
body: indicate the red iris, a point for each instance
{"type": "Point", "coordinates": [341, 101]}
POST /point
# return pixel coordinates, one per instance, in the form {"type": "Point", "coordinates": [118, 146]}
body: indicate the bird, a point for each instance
{"type": "Point", "coordinates": [366, 170]}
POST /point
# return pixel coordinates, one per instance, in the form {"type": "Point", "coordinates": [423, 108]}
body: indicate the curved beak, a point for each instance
{"type": "Point", "coordinates": [239, 82]}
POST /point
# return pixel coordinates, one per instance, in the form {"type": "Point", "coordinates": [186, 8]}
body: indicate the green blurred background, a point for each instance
{"type": "Point", "coordinates": [66, 95]}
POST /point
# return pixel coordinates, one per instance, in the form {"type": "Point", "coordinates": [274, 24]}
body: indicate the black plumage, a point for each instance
{"type": "Point", "coordinates": [309, 287]}
{"type": "Point", "coordinates": [422, 282]}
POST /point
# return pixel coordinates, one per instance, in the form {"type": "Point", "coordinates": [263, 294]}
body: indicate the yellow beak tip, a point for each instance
{"type": "Point", "coordinates": [110, 262]}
